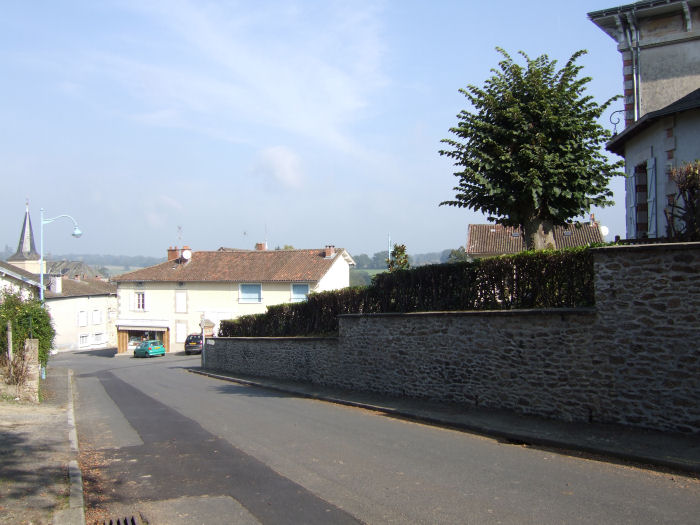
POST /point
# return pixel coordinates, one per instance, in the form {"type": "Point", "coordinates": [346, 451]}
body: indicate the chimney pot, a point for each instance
{"type": "Point", "coordinates": [329, 251]}
{"type": "Point", "coordinates": [173, 253]}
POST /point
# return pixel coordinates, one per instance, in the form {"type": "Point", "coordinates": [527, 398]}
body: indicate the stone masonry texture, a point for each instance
{"type": "Point", "coordinates": [633, 359]}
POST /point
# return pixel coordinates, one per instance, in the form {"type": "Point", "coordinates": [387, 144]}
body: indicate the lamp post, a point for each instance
{"type": "Point", "coordinates": [76, 233]}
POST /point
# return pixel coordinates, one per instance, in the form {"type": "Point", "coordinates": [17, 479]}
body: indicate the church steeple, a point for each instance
{"type": "Point", "coordinates": [26, 256]}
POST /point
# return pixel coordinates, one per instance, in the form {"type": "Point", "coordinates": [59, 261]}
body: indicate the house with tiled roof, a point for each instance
{"type": "Point", "coordinates": [168, 301]}
{"type": "Point", "coordinates": [15, 280]}
{"type": "Point", "coordinates": [82, 310]}
{"type": "Point", "coordinates": [489, 240]}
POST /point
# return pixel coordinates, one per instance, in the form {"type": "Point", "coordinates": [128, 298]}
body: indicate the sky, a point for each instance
{"type": "Point", "coordinates": [227, 123]}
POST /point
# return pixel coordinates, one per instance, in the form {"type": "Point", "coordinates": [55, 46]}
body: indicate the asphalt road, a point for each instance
{"type": "Point", "coordinates": [184, 448]}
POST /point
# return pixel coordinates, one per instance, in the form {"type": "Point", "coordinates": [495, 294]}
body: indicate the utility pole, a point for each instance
{"type": "Point", "coordinates": [9, 346]}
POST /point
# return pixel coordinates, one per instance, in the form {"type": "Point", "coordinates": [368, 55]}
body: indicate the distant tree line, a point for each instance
{"type": "Point", "coordinates": [367, 266]}
{"type": "Point", "coordinates": [378, 260]}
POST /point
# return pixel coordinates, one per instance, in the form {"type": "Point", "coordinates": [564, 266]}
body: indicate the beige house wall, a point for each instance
{"type": "Point", "coordinates": [214, 301]}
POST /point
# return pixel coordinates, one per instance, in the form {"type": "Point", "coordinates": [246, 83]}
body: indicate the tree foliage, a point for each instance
{"type": "Point", "coordinates": [529, 153]}
{"type": "Point", "coordinates": [398, 260]}
{"type": "Point", "coordinates": [29, 320]}
{"type": "Point", "coordinates": [683, 217]}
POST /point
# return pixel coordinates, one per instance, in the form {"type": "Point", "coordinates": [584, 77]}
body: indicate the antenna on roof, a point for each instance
{"type": "Point", "coordinates": [179, 235]}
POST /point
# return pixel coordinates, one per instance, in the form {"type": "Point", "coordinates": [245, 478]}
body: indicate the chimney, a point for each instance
{"type": "Point", "coordinates": [56, 284]}
{"type": "Point", "coordinates": [329, 251]}
{"type": "Point", "coordinates": [173, 253]}
{"type": "Point", "coordinates": [261, 246]}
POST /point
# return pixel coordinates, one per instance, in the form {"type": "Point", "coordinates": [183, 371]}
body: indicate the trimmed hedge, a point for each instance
{"type": "Point", "coordinates": [543, 279]}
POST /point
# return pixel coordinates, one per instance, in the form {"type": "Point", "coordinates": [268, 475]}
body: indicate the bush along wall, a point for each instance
{"type": "Point", "coordinates": [542, 279]}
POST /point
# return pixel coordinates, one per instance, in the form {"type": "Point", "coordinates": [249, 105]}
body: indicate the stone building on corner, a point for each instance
{"type": "Point", "coordinates": [659, 41]}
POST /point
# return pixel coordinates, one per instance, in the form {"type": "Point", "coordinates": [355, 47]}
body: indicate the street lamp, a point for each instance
{"type": "Point", "coordinates": [76, 233]}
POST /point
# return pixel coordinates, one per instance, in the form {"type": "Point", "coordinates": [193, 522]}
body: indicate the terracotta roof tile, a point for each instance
{"type": "Point", "coordinates": [240, 266]}
{"type": "Point", "coordinates": [495, 239]}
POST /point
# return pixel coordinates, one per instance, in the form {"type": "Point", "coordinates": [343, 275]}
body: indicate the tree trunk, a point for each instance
{"type": "Point", "coordinates": [539, 235]}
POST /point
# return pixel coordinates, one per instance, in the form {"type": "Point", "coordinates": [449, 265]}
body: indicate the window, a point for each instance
{"type": "Point", "coordinates": [250, 293]}
{"type": "Point", "coordinates": [180, 332]}
{"type": "Point", "coordinates": [96, 317]}
{"type": "Point", "coordinates": [299, 292]}
{"type": "Point", "coordinates": [98, 338]}
{"type": "Point", "coordinates": [181, 302]}
{"type": "Point", "coordinates": [140, 300]}
{"type": "Point", "coordinates": [82, 318]}
{"type": "Point", "coordinates": [84, 338]}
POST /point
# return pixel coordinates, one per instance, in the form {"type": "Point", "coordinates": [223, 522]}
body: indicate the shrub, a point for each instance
{"type": "Point", "coordinates": [29, 320]}
{"type": "Point", "coordinates": [542, 279]}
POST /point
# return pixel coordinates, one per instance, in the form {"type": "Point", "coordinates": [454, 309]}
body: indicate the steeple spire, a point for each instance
{"type": "Point", "coordinates": [26, 256]}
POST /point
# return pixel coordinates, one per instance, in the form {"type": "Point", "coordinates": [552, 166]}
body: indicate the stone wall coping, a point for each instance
{"type": "Point", "coordinates": [300, 338]}
{"type": "Point", "coordinates": [491, 313]}
{"type": "Point", "coordinates": [663, 246]}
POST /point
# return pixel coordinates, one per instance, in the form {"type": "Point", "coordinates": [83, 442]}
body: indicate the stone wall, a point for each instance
{"type": "Point", "coordinates": [28, 390]}
{"type": "Point", "coordinates": [633, 359]}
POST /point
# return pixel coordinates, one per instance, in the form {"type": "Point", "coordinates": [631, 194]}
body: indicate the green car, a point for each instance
{"type": "Point", "coordinates": [149, 348]}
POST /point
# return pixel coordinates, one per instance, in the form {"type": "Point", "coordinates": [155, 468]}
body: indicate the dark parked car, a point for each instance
{"type": "Point", "coordinates": [193, 344]}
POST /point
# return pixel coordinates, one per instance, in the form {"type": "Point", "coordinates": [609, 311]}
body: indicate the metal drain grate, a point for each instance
{"type": "Point", "coordinates": [131, 520]}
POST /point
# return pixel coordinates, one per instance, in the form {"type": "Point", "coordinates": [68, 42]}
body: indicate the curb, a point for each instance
{"type": "Point", "coordinates": [515, 437]}
{"type": "Point", "coordinates": [76, 500]}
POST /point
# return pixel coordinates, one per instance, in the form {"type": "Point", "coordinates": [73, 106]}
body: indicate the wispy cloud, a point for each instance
{"type": "Point", "coordinates": [308, 69]}
{"type": "Point", "coordinates": [279, 167]}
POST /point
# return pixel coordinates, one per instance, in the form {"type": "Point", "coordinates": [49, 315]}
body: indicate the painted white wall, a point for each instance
{"type": "Point", "coordinates": [97, 330]}
{"type": "Point", "coordinates": [11, 285]}
{"type": "Point", "coordinates": [338, 276]}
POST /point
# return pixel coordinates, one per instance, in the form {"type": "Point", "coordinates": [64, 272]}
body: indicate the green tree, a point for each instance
{"type": "Point", "coordinates": [398, 259]}
{"type": "Point", "coordinates": [362, 260]}
{"type": "Point", "coordinates": [379, 260]}
{"type": "Point", "coordinates": [530, 152]}
{"type": "Point", "coordinates": [458, 255]}
{"type": "Point", "coordinates": [359, 278]}
{"type": "Point", "coordinates": [29, 320]}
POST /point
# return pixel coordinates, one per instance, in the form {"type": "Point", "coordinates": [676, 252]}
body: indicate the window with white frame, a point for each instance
{"type": "Point", "coordinates": [299, 292]}
{"type": "Point", "coordinates": [84, 339]}
{"type": "Point", "coordinates": [181, 302]}
{"type": "Point", "coordinates": [250, 293]}
{"type": "Point", "coordinates": [140, 301]}
{"type": "Point", "coordinates": [82, 318]}
{"type": "Point", "coordinates": [98, 338]}
{"type": "Point", "coordinates": [96, 317]}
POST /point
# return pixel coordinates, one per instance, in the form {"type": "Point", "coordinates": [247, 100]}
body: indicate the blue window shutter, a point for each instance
{"type": "Point", "coordinates": [651, 196]}
{"type": "Point", "coordinates": [299, 292]}
{"type": "Point", "coordinates": [250, 293]}
{"type": "Point", "coordinates": [630, 197]}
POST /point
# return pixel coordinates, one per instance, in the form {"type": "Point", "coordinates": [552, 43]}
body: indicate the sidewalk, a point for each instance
{"type": "Point", "coordinates": [646, 448]}
{"type": "Point", "coordinates": [40, 479]}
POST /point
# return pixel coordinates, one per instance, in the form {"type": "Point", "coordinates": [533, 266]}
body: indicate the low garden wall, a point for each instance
{"type": "Point", "coordinates": [632, 359]}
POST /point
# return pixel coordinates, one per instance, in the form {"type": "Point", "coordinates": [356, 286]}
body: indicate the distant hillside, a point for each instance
{"type": "Point", "coordinates": [105, 264]}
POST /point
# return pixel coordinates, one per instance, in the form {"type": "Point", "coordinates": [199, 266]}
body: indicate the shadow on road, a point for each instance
{"type": "Point", "coordinates": [100, 352]}
{"type": "Point", "coordinates": [250, 391]}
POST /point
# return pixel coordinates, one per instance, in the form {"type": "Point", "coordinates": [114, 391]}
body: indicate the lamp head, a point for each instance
{"type": "Point", "coordinates": [76, 232]}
